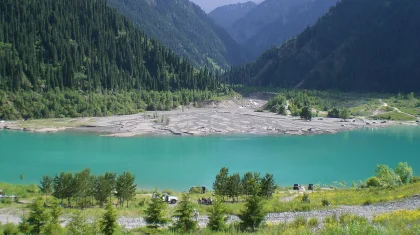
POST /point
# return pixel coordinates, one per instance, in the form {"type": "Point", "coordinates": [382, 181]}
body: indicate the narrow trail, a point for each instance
{"type": "Point", "coordinates": [378, 110]}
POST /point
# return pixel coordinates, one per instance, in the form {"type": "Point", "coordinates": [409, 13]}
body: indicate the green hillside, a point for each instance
{"type": "Point", "coordinates": [186, 29]}
{"type": "Point", "coordinates": [85, 47]}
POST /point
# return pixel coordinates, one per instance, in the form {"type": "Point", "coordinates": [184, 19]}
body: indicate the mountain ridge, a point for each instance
{"type": "Point", "coordinates": [274, 21]}
{"type": "Point", "coordinates": [227, 15]}
{"type": "Point", "coordinates": [186, 29]}
{"type": "Point", "coordinates": [357, 46]}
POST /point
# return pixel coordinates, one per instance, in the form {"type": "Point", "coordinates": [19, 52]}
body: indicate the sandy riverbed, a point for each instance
{"type": "Point", "coordinates": [228, 117]}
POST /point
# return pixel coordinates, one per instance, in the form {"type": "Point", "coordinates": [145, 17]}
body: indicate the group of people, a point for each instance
{"type": "Point", "coordinates": [205, 201]}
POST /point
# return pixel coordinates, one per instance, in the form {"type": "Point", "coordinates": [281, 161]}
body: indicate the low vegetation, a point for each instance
{"type": "Point", "coordinates": [72, 104]}
{"type": "Point", "coordinates": [255, 197]}
{"type": "Point", "coordinates": [398, 107]}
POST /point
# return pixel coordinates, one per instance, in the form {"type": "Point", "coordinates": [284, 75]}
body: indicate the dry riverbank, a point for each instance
{"type": "Point", "coordinates": [228, 117]}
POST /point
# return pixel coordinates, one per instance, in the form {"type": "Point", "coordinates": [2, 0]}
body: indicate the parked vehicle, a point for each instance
{"type": "Point", "coordinates": [198, 189]}
{"type": "Point", "coordinates": [168, 198]}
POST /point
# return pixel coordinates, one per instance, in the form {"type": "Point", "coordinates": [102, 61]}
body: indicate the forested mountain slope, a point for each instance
{"type": "Point", "coordinates": [84, 46]}
{"type": "Point", "coordinates": [186, 29]}
{"type": "Point", "coordinates": [358, 46]}
{"type": "Point", "coordinates": [227, 15]}
{"type": "Point", "coordinates": [274, 21]}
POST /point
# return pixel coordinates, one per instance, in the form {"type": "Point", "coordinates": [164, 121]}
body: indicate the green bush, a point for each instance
{"type": "Point", "coordinates": [10, 229]}
{"type": "Point", "coordinates": [326, 202]}
{"type": "Point", "coordinates": [367, 202]}
{"type": "Point", "coordinates": [331, 219]}
{"type": "Point", "coordinates": [313, 222]}
{"type": "Point", "coordinates": [305, 198]}
{"type": "Point", "coordinates": [299, 222]}
{"type": "Point", "coordinates": [348, 219]}
{"type": "Point", "coordinates": [6, 201]}
{"type": "Point", "coordinates": [373, 182]}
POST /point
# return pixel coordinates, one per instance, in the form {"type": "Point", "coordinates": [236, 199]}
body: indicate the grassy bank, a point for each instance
{"type": "Point", "coordinates": [284, 199]}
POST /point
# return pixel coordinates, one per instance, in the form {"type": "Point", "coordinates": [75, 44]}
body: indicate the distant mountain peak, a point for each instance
{"type": "Point", "coordinates": [227, 15]}
{"type": "Point", "coordinates": [240, 5]}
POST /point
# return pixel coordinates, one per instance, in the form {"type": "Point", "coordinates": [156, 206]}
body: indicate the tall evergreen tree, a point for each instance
{"type": "Point", "coordinates": [253, 215]}
{"type": "Point", "coordinates": [38, 216]}
{"type": "Point", "coordinates": [183, 215]}
{"type": "Point", "coordinates": [46, 186]}
{"type": "Point", "coordinates": [109, 220]}
{"type": "Point", "coordinates": [102, 189]}
{"type": "Point", "coordinates": [155, 212]}
{"type": "Point", "coordinates": [125, 187]}
{"type": "Point", "coordinates": [268, 185]}
{"type": "Point", "coordinates": [217, 216]}
{"type": "Point", "coordinates": [221, 182]}
{"type": "Point", "coordinates": [234, 187]}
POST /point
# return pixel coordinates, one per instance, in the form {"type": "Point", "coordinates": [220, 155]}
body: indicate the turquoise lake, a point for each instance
{"type": "Point", "coordinates": [173, 162]}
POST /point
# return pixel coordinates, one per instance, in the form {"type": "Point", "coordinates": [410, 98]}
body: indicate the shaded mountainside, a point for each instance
{"type": "Point", "coordinates": [226, 16]}
{"type": "Point", "coordinates": [274, 21]}
{"type": "Point", "coordinates": [358, 46]}
{"type": "Point", "coordinates": [186, 29]}
{"type": "Point", "coordinates": [84, 45]}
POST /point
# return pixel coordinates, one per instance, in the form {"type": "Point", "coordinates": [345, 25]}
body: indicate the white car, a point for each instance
{"type": "Point", "coordinates": [168, 198]}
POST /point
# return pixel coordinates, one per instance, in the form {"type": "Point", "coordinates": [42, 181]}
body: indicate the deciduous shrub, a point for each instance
{"type": "Point", "coordinates": [373, 182]}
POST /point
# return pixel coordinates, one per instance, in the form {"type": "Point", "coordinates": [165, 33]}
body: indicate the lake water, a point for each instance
{"type": "Point", "coordinates": [173, 162]}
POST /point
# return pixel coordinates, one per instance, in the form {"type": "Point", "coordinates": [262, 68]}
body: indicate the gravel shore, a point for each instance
{"type": "Point", "coordinates": [230, 117]}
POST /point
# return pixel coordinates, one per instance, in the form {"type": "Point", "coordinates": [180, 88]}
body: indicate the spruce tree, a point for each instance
{"type": "Point", "coordinates": [217, 216]}
{"type": "Point", "coordinates": [155, 212]}
{"type": "Point", "coordinates": [46, 186]}
{"type": "Point", "coordinates": [254, 215]}
{"type": "Point", "coordinates": [184, 216]}
{"type": "Point", "coordinates": [125, 187]}
{"type": "Point", "coordinates": [109, 220]}
{"type": "Point", "coordinates": [268, 185]}
{"type": "Point", "coordinates": [221, 182]}
{"type": "Point", "coordinates": [38, 216]}
{"type": "Point", "coordinates": [53, 226]}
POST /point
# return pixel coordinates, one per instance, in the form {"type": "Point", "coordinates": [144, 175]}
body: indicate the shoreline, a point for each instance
{"type": "Point", "coordinates": [280, 126]}
{"type": "Point", "coordinates": [232, 117]}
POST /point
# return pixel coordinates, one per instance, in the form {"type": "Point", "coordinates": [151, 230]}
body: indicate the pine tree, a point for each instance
{"type": "Point", "coordinates": [233, 187]}
{"type": "Point", "coordinates": [46, 186]}
{"type": "Point", "coordinates": [254, 215]}
{"type": "Point", "coordinates": [217, 216]}
{"type": "Point", "coordinates": [38, 216]}
{"type": "Point", "coordinates": [53, 226]}
{"type": "Point", "coordinates": [220, 184]}
{"type": "Point", "coordinates": [125, 187]}
{"type": "Point", "coordinates": [184, 216]}
{"type": "Point", "coordinates": [77, 224]}
{"type": "Point", "coordinates": [268, 185]}
{"type": "Point", "coordinates": [102, 189]}
{"type": "Point", "coordinates": [155, 212]}
{"type": "Point", "coordinates": [109, 220]}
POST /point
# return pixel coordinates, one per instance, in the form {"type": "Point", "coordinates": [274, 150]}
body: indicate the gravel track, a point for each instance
{"type": "Point", "coordinates": [10, 216]}
{"type": "Point", "coordinates": [364, 211]}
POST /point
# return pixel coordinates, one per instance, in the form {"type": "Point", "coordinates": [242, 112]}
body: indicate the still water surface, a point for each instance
{"type": "Point", "coordinates": [173, 162]}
